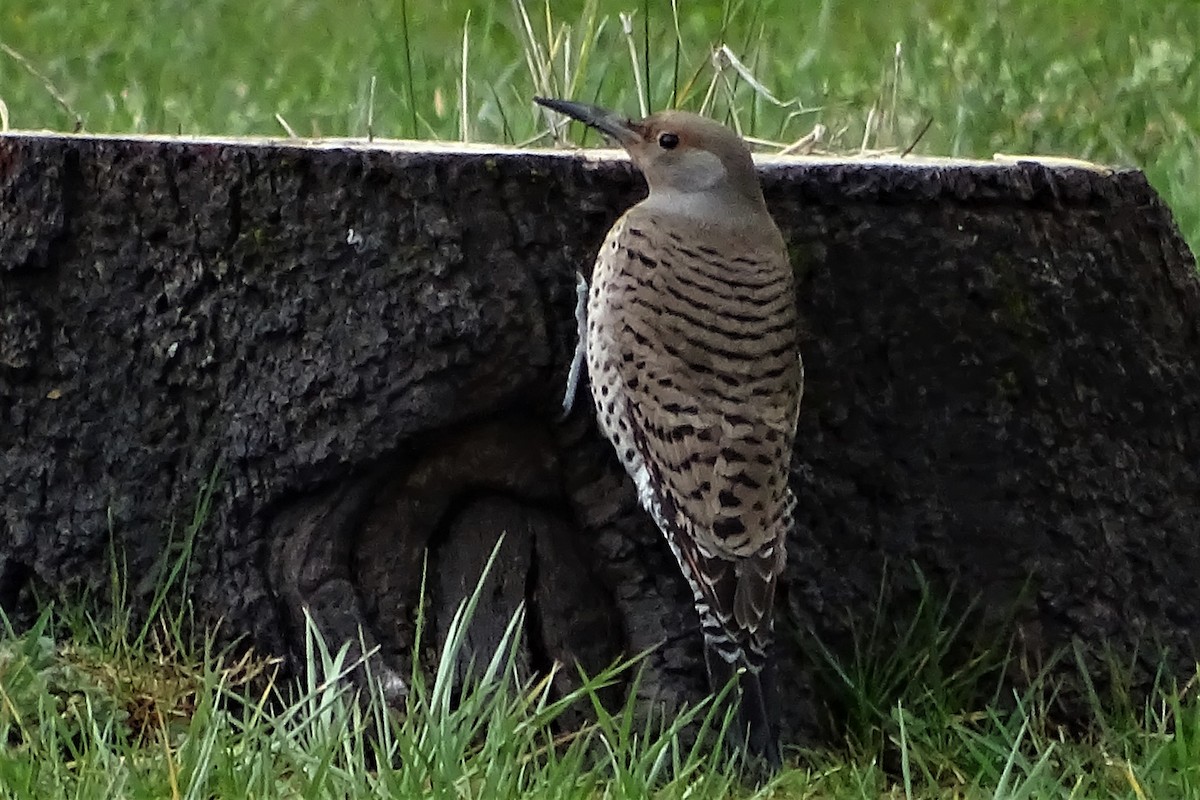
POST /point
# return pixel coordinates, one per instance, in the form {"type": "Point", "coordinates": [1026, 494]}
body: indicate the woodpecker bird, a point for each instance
{"type": "Point", "coordinates": [695, 370]}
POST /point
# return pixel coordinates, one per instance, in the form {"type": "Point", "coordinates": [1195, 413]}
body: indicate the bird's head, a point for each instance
{"type": "Point", "coordinates": [680, 153]}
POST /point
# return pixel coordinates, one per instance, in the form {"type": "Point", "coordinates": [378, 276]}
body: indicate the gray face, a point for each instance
{"type": "Point", "coordinates": [679, 153]}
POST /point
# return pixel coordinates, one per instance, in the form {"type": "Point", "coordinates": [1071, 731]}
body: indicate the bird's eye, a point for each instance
{"type": "Point", "coordinates": [668, 141]}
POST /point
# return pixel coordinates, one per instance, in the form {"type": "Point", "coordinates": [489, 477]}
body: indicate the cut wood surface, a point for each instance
{"type": "Point", "coordinates": [371, 342]}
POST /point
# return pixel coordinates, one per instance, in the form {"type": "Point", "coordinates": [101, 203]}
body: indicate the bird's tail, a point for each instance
{"type": "Point", "coordinates": [754, 728]}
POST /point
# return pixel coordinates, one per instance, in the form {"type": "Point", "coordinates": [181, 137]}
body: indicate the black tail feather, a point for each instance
{"type": "Point", "coordinates": [755, 725]}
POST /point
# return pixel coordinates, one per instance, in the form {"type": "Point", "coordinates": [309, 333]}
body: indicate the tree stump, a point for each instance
{"type": "Point", "coordinates": [371, 342]}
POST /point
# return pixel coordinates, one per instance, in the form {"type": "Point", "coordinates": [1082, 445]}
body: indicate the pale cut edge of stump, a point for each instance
{"type": "Point", "coordinates": [998, 160]}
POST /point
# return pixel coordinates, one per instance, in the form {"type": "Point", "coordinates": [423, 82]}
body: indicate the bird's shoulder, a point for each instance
{"type": "Point", "coordinates": [755, 239]}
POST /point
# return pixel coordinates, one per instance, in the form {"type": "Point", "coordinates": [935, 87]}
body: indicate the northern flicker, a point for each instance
{"type": "Point", "coordinates": [694, 367]}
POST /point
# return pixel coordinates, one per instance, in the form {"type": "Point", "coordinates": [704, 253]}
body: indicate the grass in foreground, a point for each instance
{"type": "Point", "coordinates": [99, 715]}
{"type": "Point", "coordinates": [1104, 80]}
{"type": "Point", "coordinates": [98, 709]}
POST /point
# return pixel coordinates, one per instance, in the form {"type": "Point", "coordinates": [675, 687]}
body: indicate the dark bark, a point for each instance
{"type": "Point", "coordinates": [372, 344]}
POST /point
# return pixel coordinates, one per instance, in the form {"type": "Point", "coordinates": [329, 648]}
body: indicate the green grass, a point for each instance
{"type": "Point", "coordinates": [94, 704]}
{"type": "Point", "coordinates": [94, 707]}
{"type": "Point", "coordinates": [1105, 80]}
{"type": "Point", "coordinates": [104, 709]}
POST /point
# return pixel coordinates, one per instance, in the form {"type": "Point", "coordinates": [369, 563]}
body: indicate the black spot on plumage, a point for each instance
{"type": "Point", "coordinates": [744, 479]}
{"type": "Point", "coordinates": [775, 373]}
{"type": "Point", "coordinates": [676, 408]}
{"type": "Point", "coordinates": [645, 259]}
{"type": "Point", "coordinates": [725, 527]}
{"type": "Point", "coordinates": [728, 499]}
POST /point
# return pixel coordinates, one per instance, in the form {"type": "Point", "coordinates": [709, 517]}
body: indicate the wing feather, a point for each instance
{"type": "Point", "coordinates": [711, 430]}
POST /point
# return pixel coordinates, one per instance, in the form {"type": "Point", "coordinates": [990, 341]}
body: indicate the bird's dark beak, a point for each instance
{"type": "Point", "coordinates": [607, 122]}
